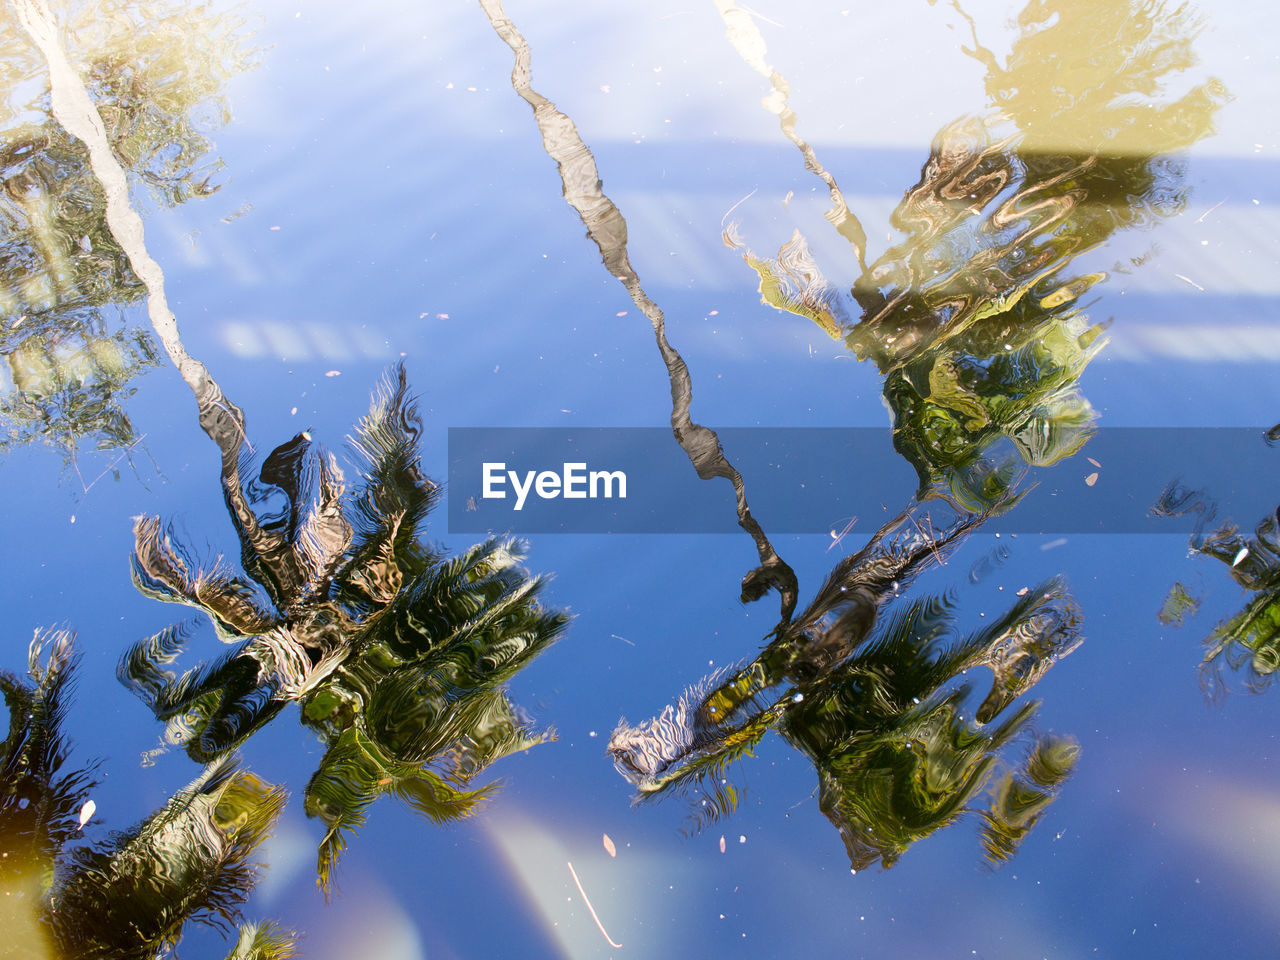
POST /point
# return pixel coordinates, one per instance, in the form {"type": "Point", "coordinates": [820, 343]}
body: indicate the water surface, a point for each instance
{"type": "Point", "coordinates": [981, 232]}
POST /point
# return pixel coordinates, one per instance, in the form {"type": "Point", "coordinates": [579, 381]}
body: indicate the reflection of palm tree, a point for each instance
{"type": "Point", "coordinates": [263, 941]}
{"type": "Point", "coordinates": [973, 317]}
{"type": "Point", "coordinates": [130, 897]}
{"type": "Point", "coordinates": [340, 606]}
{"type": "Point", "coordinates": [420, 710]}
{"type": "Point", "coordinates": [896, 759]}
{"type": "Point", "coordinates": [871, 703]}
{"type": "Point", "coordinates": [40, 797]}
{"type": "Point", "coordinates": [396, 653]}
{"type": "Point", "coordinates": [1248, 641]}
{"type": "Point", "coordinates": [1019, 798]}
{"type": "Point", "coordinates": [68, 361]}
{"type": "Point", "coordinates": [976, 325]}
{"type": "Point", "coordinates": [607, 228]}
{"type": "Point", "coordinates": [188, 861]}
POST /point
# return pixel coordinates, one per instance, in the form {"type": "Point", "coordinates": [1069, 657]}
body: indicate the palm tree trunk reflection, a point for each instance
{"type": "Point", "coordinates": [978, 331]}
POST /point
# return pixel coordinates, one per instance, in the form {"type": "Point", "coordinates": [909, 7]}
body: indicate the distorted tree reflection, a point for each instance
{"type": "Point", "coordinates": [396, 653]}
{"type": "Point", "coordinates": [130, 896]}
{"type": "Point", "coordinates": [41, 794]}
{"type": "Point", "coordinates": [156, 73]}
{"type": "Point", "coordinates": [607, 228]}
{"type": "Point", "coordinates": [975, 318]}
{"type": "Point", "coordinates": [1248, 642]}
{"type": "Point", "coordinates": [817, 656]}
{"type": "Point", "coordinates": [975, 322]}
{"type": "Point", "coordinates": [872, 701]}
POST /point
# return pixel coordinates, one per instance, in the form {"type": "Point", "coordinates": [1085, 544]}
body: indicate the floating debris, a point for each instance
{"type": "Point", "coordinates": [1091, 479]}
{"type": "Point", "coordinates": [1200, 219]}
{"type": "Point", "coordinates": [837, 537]}
{"type": "Point", "coordinates": [609, 848]}
{"type": "Point", "coordinates": [238, 213]}
{"type": "Point", "coordinates": [1177, 605]}
{"type": "Point", "coordinates": [722, 843]}
{"type": "Point", "coordinates": [600, 926]}
{"type": "Point", "coordinates": [87, 812]}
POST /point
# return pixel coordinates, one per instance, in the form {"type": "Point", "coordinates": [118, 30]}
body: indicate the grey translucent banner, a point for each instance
{"type": "Point", "coordinates": [816, 480]}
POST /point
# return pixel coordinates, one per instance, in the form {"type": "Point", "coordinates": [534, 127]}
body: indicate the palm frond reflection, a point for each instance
{"type": "Point", "coordinates": [872, 699]}
{"type": "Point", "coordinates": [1248, 641]}
{"type": "Point", "coordinates": [396, 653]}
{"type": "Point", "coordinates": [129, 897]}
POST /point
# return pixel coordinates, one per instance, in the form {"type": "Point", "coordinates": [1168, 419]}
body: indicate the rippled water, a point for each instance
{"type": "Point", "coordinates": [263, 268]}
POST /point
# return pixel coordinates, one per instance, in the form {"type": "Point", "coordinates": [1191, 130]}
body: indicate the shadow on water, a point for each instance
{"type": "Point", "coordinates": [975, 322]}
{"type": "Point", "coordinates": [156, 72]}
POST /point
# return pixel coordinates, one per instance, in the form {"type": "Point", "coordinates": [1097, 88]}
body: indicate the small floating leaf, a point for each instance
{"type": "Point", "coordinates": [608, 846]}
{"type": "Point", "coordinates": [1177, 606]}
